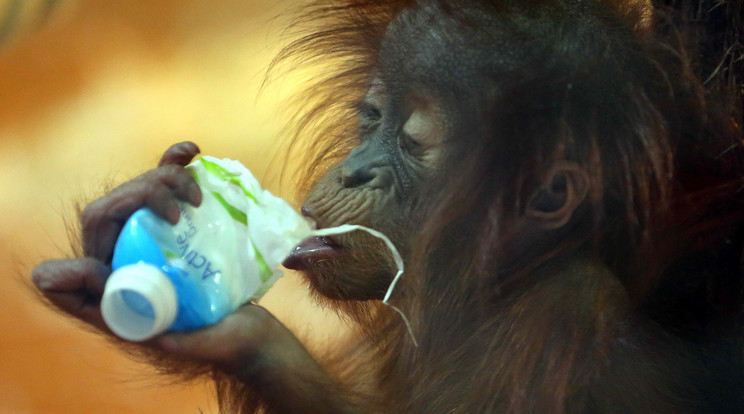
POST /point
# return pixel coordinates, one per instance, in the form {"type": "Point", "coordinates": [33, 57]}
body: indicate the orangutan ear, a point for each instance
{"type": "Point", "coordinates": [563, 189]}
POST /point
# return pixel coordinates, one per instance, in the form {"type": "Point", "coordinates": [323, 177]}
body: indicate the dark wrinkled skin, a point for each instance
{"type": "Point", "coordinates": [401, 136]}
{"type": "Point", "coordinates": [374, 187]}
{"type": "Point", "coordinates": [424, 104]}
{"type": "Point", "coordinates": [400, 139]}
{"type": "Point", "coordinates": [76, 285]}
{"type": "Point", "coordinates": [250, 343]}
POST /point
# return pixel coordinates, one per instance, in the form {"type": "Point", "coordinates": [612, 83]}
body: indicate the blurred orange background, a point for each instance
{"type": "Point", "coordinates": [93, 95]}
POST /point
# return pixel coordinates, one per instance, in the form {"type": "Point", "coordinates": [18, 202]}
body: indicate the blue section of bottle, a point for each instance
{"type": "Point", "coordinates": [201, 302]}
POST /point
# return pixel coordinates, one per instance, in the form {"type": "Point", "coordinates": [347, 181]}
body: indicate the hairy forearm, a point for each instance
{"type": "Point", "coordinates": [291, 381]}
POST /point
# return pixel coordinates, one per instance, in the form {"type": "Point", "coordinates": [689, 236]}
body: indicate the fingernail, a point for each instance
{"type": "Point", "coordinates": [195, 148]}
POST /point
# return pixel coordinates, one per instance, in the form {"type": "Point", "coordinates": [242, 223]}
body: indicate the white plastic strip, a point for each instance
{"type": "Point", "coordinates": [346, 228]}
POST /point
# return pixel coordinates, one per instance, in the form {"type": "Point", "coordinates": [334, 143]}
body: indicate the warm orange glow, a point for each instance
{"type": "Point", "coordinates": [95, 96]}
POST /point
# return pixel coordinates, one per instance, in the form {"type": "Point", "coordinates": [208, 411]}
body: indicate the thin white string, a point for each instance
{"type": "Point", "coordinates": [346, 228]}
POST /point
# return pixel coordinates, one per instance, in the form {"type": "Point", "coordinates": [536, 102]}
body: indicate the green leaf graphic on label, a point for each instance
{"type": "Point", "coordinates": [264, 272]}
{"type": "Point", "coordinates": [170, 255]}
{"type": "Point", "coordinates": [194, 174]}
{"type": "Point", "coordinates": [224, 175]}
{"type": "Point", "coordinates": [233, 211]}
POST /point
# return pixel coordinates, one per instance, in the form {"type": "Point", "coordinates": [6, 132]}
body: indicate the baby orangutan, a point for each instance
{"type": "Point", "coordinates": [564, 190]}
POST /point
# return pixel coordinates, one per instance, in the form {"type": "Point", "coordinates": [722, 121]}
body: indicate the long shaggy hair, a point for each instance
{"type": "Point", "coordinates": [653, 112]}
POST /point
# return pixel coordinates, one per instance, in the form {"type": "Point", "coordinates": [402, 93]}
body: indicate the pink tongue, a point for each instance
{"type": "Point", "coordinates": [310, 249]}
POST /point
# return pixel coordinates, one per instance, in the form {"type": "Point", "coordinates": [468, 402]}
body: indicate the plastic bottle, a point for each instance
{"type": "Point", "coordinates": [217, 257]}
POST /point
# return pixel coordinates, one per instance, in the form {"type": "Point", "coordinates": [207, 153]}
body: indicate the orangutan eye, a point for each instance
{"type": "Point", "coordinates": [368, 111]}
{"type": "Point", "coordinates": [423, 128]}
{"type": "Point", "coordinates": [369, 115]}
{"type": "Point", "coordinates": [409, 144]}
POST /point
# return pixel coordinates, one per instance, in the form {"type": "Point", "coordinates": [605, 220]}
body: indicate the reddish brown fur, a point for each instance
{"type": "Point", "coordinates": [592, 322]}
{"type": "Point", "coordinates": [487, 333]}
